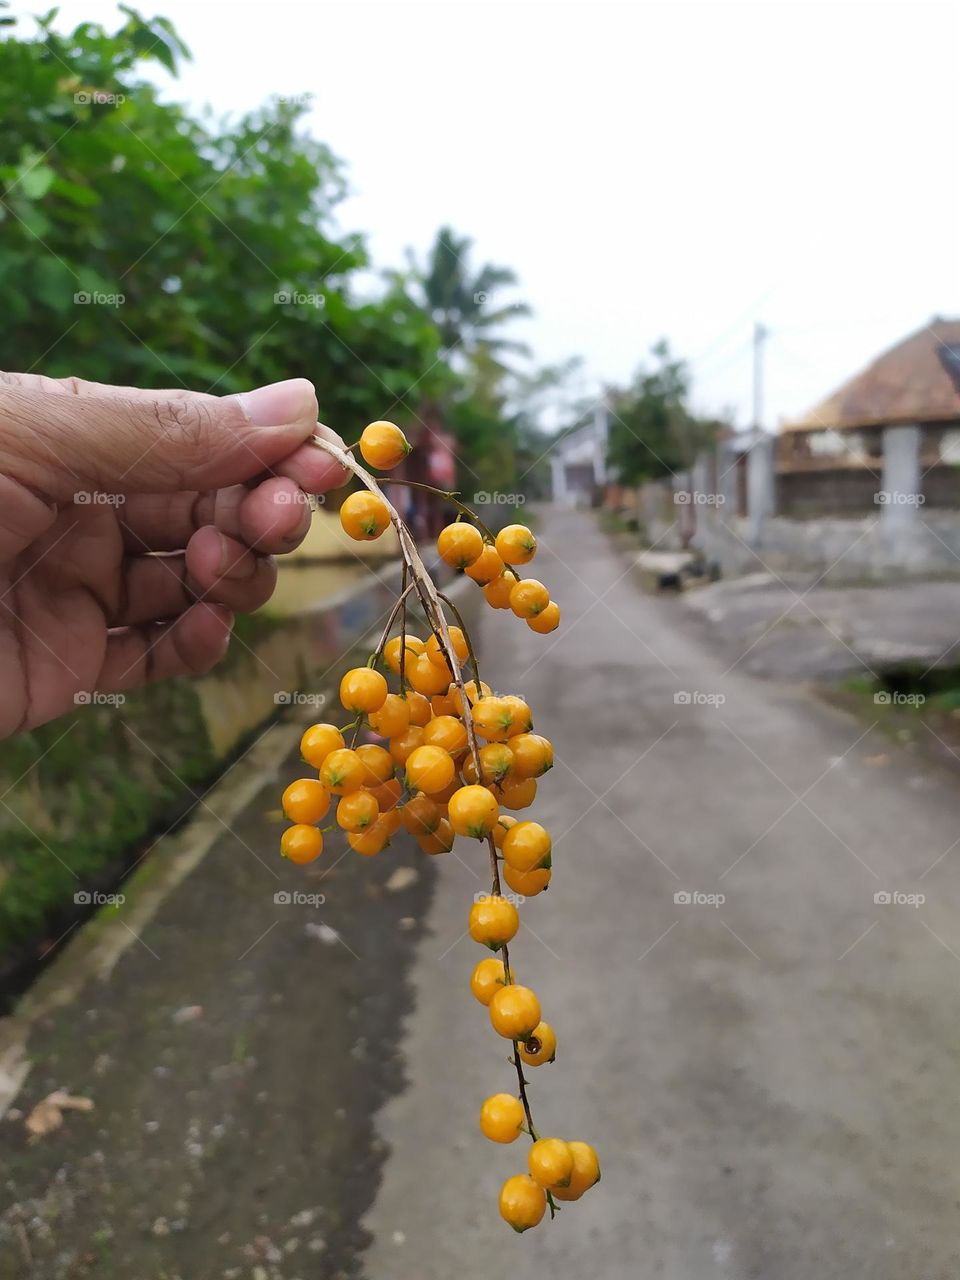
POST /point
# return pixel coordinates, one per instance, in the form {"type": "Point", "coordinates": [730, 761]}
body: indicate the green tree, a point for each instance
{"type": "Point", "coordinates": [141, 245]}
{"type": "Point", "coordinates": [652, 432]}
{"type": "Point", "coordinates": [462, 303]}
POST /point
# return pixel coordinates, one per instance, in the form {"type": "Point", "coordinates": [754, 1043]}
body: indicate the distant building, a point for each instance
{"type": "Point", "coordinates": [833, 459]}
{"type": "Point", "coordinates": [578, 461]}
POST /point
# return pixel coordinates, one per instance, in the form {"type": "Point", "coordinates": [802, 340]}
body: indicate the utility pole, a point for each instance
{"type": "Point", "coordinates": [760, 335]}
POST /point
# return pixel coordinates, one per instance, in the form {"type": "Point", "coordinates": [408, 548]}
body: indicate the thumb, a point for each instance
{"type": "Point", "coordinates": [58, 438]}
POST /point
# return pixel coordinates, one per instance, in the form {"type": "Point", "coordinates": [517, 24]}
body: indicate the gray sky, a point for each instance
{"type": "Point", "coordinates": [648, 169]}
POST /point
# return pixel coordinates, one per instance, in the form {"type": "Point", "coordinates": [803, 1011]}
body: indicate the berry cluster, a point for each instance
{"type": "Point", "coordinates": [451, 756]}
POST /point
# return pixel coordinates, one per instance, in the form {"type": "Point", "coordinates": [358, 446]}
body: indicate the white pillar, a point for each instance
{"type": "Point", "coordinates": [761, 484]}
{"type": "Point", "coordinates": [902, 483]}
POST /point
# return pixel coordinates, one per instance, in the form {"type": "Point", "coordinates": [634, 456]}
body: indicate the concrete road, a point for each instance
{"type": "Point", "coordinates": [771, 1081]}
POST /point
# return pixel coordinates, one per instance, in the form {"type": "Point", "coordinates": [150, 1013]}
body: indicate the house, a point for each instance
{"type": "Point", "coordinates": [888, 436]}
{"type": "Point", "coordinates": [578, 460]}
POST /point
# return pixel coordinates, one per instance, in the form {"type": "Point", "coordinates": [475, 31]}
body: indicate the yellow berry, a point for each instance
{"type": "Point", "coordinates": [458, 640]}
{"type": "Point", "coordinates": [527, 847]}
{"type": "Point", "coordinates": [447, 732]}
{"type": "Point", "coordinates": [504, 823]}
{"type": "Point", "coordinates": [363, 689]}
{"type": "Point", "coordinates": [497, 592]}
{"type": "Point", "coordinates": [318, 741]}
{"type": "Point", "coordinates": [364, 516]}
{"type": "Point", "coordinates": [393, 718]}
{"type": "Point", "coordinates": [526, 883]}
{"type": "Point", "coordinates": [493, 921]}
{"type": "Point", "coordinates": [306, 800]}
{"type": "Point", "coordinates": [342, 772]}
{"type": "Point", "coordinates": [420, 710]}
{"type": "Point", "coordinates": [429, 769]}
{"type": "Point", "coordinates": [487, 567]}
{"type": "Point", "coordinates": [514, 1012]}
{"type": "Point", "coordinates": [427, 677]}
{"type": "Point", "coordinates": [502, 1118]}
{"type": "Point", "coordinates": [438, 841]}
{"type": "Point", "coordinates": [550, 1162]}
{"type": "Point", "coordinates": [421, 816]}
{"type": "Point", "coordinates": [518, 793]}
{"type": "Point", "coordinates": [540, 1046]}
{"type": "Point", "coordinates": [301, 844]}
{"type": "Point", "coordinates": [357, 811]}
{"type": "Point", "coordinates": [586, 1172]}
{"type": "Point", "coordinates": [383, 445]}
{"type": "Point", "coordinates": [403, 746]}
{"type": "Point", "coordinates": [487, 978]}
{"type": "Point", "coordinates": [547, 620]}
{"type": "Point", "coordinates": [412, 647]}
{"type": "Point", "coordinates": [460, 544]}
{"type": "Point", "coordinates": [522, 1202]}
{"type": "Point", "coordinates": [528, 598]}
{"type": "Point", "coordinates": [516, 544]}
{"type": "Point", "coordinates": [473, 812]}
{"type": "Point", "coordinates": [377, 764]}
{"type": "Point", "coordinates": [532, 755]}
{"type": "Point", "coordinates": [474, 693]}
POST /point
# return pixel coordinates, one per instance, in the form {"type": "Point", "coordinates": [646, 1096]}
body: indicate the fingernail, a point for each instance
{"type": "Point", "coordinates": [235, 563]}
{"type": "Point", "coordinates": [279, 403]}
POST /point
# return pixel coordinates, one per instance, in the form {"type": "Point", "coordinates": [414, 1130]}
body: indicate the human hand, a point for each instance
{"type": "Point", "coordinates": [134, 523]}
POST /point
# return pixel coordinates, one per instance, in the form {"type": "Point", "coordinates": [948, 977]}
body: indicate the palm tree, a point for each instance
{"type": "Point", "coordinates": [461, 304]}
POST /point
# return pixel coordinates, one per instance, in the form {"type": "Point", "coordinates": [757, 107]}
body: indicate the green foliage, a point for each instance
{"type": "Point", "coordinates": [462, 303]}
{"type": "Point", "coordinates": [652, 433]}
{"type": "Point", "coordinates": [187, 237]}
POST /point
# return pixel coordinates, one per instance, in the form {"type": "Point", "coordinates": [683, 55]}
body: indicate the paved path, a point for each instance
{"type": "Point", "coordinates": [771, 1082]}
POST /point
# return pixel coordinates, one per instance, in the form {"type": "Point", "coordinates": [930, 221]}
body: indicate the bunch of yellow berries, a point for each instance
{"type": "Point", "coordinates": [452, 756]}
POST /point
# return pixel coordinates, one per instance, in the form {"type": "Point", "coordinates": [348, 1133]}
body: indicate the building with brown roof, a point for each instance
{"type": "Point", "coordinates": [832, 460]}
